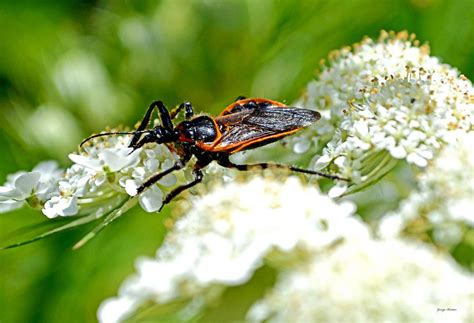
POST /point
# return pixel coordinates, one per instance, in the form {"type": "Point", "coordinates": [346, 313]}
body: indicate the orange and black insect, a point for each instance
{"type": "Point", "coordinates": [245, 124]}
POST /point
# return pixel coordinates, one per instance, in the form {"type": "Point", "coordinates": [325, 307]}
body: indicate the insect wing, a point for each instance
{"type": "Point", "coordinates": [249, 104]}
{"type": "Point", "coordinates": [279, 119]}
{"type": "Point", "coordinates": [257, 127]}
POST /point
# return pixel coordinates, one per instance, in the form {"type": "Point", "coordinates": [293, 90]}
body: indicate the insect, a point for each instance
{"type": "Point", "coordinates": [243, 125]}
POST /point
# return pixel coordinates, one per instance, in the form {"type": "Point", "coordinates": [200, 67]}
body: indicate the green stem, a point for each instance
{"type": "Point", "coordinates": [387, 163]}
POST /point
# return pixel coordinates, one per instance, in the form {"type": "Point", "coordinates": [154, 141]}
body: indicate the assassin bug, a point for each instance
{"type": "Point", "coordinates": [245, 124]}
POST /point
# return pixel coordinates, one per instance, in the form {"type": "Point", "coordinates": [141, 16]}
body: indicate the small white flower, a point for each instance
{"type": "Point", "coordinates": [61, 206]}
{"type": "Point", "coordinates": [34, 187]}
{"type": "Point", "coordinates": [50, 174]}
{"type": "Point", "coordinates": [21, 187]}
{"type": "Point", "coordinates": [231, 232]}
{"type": "Point", "coordinates": [119, 158]}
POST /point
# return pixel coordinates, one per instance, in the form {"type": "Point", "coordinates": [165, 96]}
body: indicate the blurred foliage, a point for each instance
{"type": "Point", "coordinates": [70, 68]}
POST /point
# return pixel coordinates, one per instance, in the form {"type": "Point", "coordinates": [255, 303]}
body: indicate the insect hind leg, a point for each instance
{"type": "Point", "coordinates": [246, 167]}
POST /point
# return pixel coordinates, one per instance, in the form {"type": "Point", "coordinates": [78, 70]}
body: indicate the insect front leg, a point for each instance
{"type": "Point", "coordinates": [164, 116]}
{"type": "Point", "coordinates": [197, 179]}
{"type": "Point", "coordinates": [225, 162]}
{"type": "Point", "coordinates": [188, 110]}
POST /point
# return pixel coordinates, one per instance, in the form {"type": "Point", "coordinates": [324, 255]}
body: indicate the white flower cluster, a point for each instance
{"type": "Point", "coordinates": [328, 266]}
{"type": "Point", "coordinates": [383, 101]}
{"type": "Point", "coordinates": [102, 176]}
{"type": "Point", "coordinates": [371, 281]}
{"type": "Point", "coordinates": [34, 187]}
{"type": "Point", "coordinates": [228, 234]}
{"type": "Point", "coordinates": [444, 201]}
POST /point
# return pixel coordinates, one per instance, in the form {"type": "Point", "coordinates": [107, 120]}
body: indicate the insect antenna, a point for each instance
{"type": "Point", "coordinates": [113, 133]}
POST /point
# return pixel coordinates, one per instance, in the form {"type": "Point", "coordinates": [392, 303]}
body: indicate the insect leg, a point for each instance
{"type": "Point", "coordinates": [240, 97]}
{"type": "Point", "coordinates": [164, 116]}
{"type": "Point", "coordinates": [197, 179]}
{"type": "Point", "coordinates": [227, 163]}
{"type": "Point", "coordinates": [156, 177]}
{"type": "Point", "coordinates": [188, 110]}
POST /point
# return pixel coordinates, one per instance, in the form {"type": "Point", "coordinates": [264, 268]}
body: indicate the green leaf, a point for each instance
{"type": "Point", "coordinates": [114, 215]}
{"type": "Point", "coordinates": [72, 223]}
{"type": "Point", "coordinates": [76, 222]}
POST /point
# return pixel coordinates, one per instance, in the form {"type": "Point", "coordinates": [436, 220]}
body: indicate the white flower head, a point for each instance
{"type": "Point", "coordinates": [33, 187]}
{"type": "Point", "coordinates": [370, 281]}
{"type": "Point", "coordinates": [228, 234]}
{"type": "Point", "coordinates": [383, 101]}
{"type": "Point", "coordinates": [443, 203]}
{"type": "Point", "coordinates": [106, 172]}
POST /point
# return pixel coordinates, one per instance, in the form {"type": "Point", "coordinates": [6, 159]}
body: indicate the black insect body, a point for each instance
{"type": "Point", "coordinates": [245, 124]}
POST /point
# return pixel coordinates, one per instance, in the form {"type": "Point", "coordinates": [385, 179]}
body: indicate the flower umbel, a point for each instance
{"type": "Point", "coordinates": [384, 101]}
{"type": "Point", "coordinates": [228, 234]}
{"type": "Point", "coordinates": [102, 182]}
{"type": "Point", "coordinates": [106, 173]}
{"type": "Point", "coordinates": [103, 175]}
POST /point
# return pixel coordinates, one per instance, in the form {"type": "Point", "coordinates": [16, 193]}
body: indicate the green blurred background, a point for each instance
{"type": "Point", "coordinates": [71, 68]}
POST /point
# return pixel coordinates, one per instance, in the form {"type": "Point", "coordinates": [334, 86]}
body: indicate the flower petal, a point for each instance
{"type": "Point", "coordinates": [46, 167]}
{"type": "Point", "coordinates": [8, 206]}
{"type": "Point", "coordinates": [118, 159]}
{"type": "Point", "coordinates": [26, 182]}
{"type": "Point", "coordinates": [152, 199]}
{"type": "Point", "coordinates": [87, 162]}
{"type": "Point", "coordinates": [9, 193]}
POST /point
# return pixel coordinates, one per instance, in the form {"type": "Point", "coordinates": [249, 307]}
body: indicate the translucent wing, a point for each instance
{"type": "Point", "coordinates": [262, 124]}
